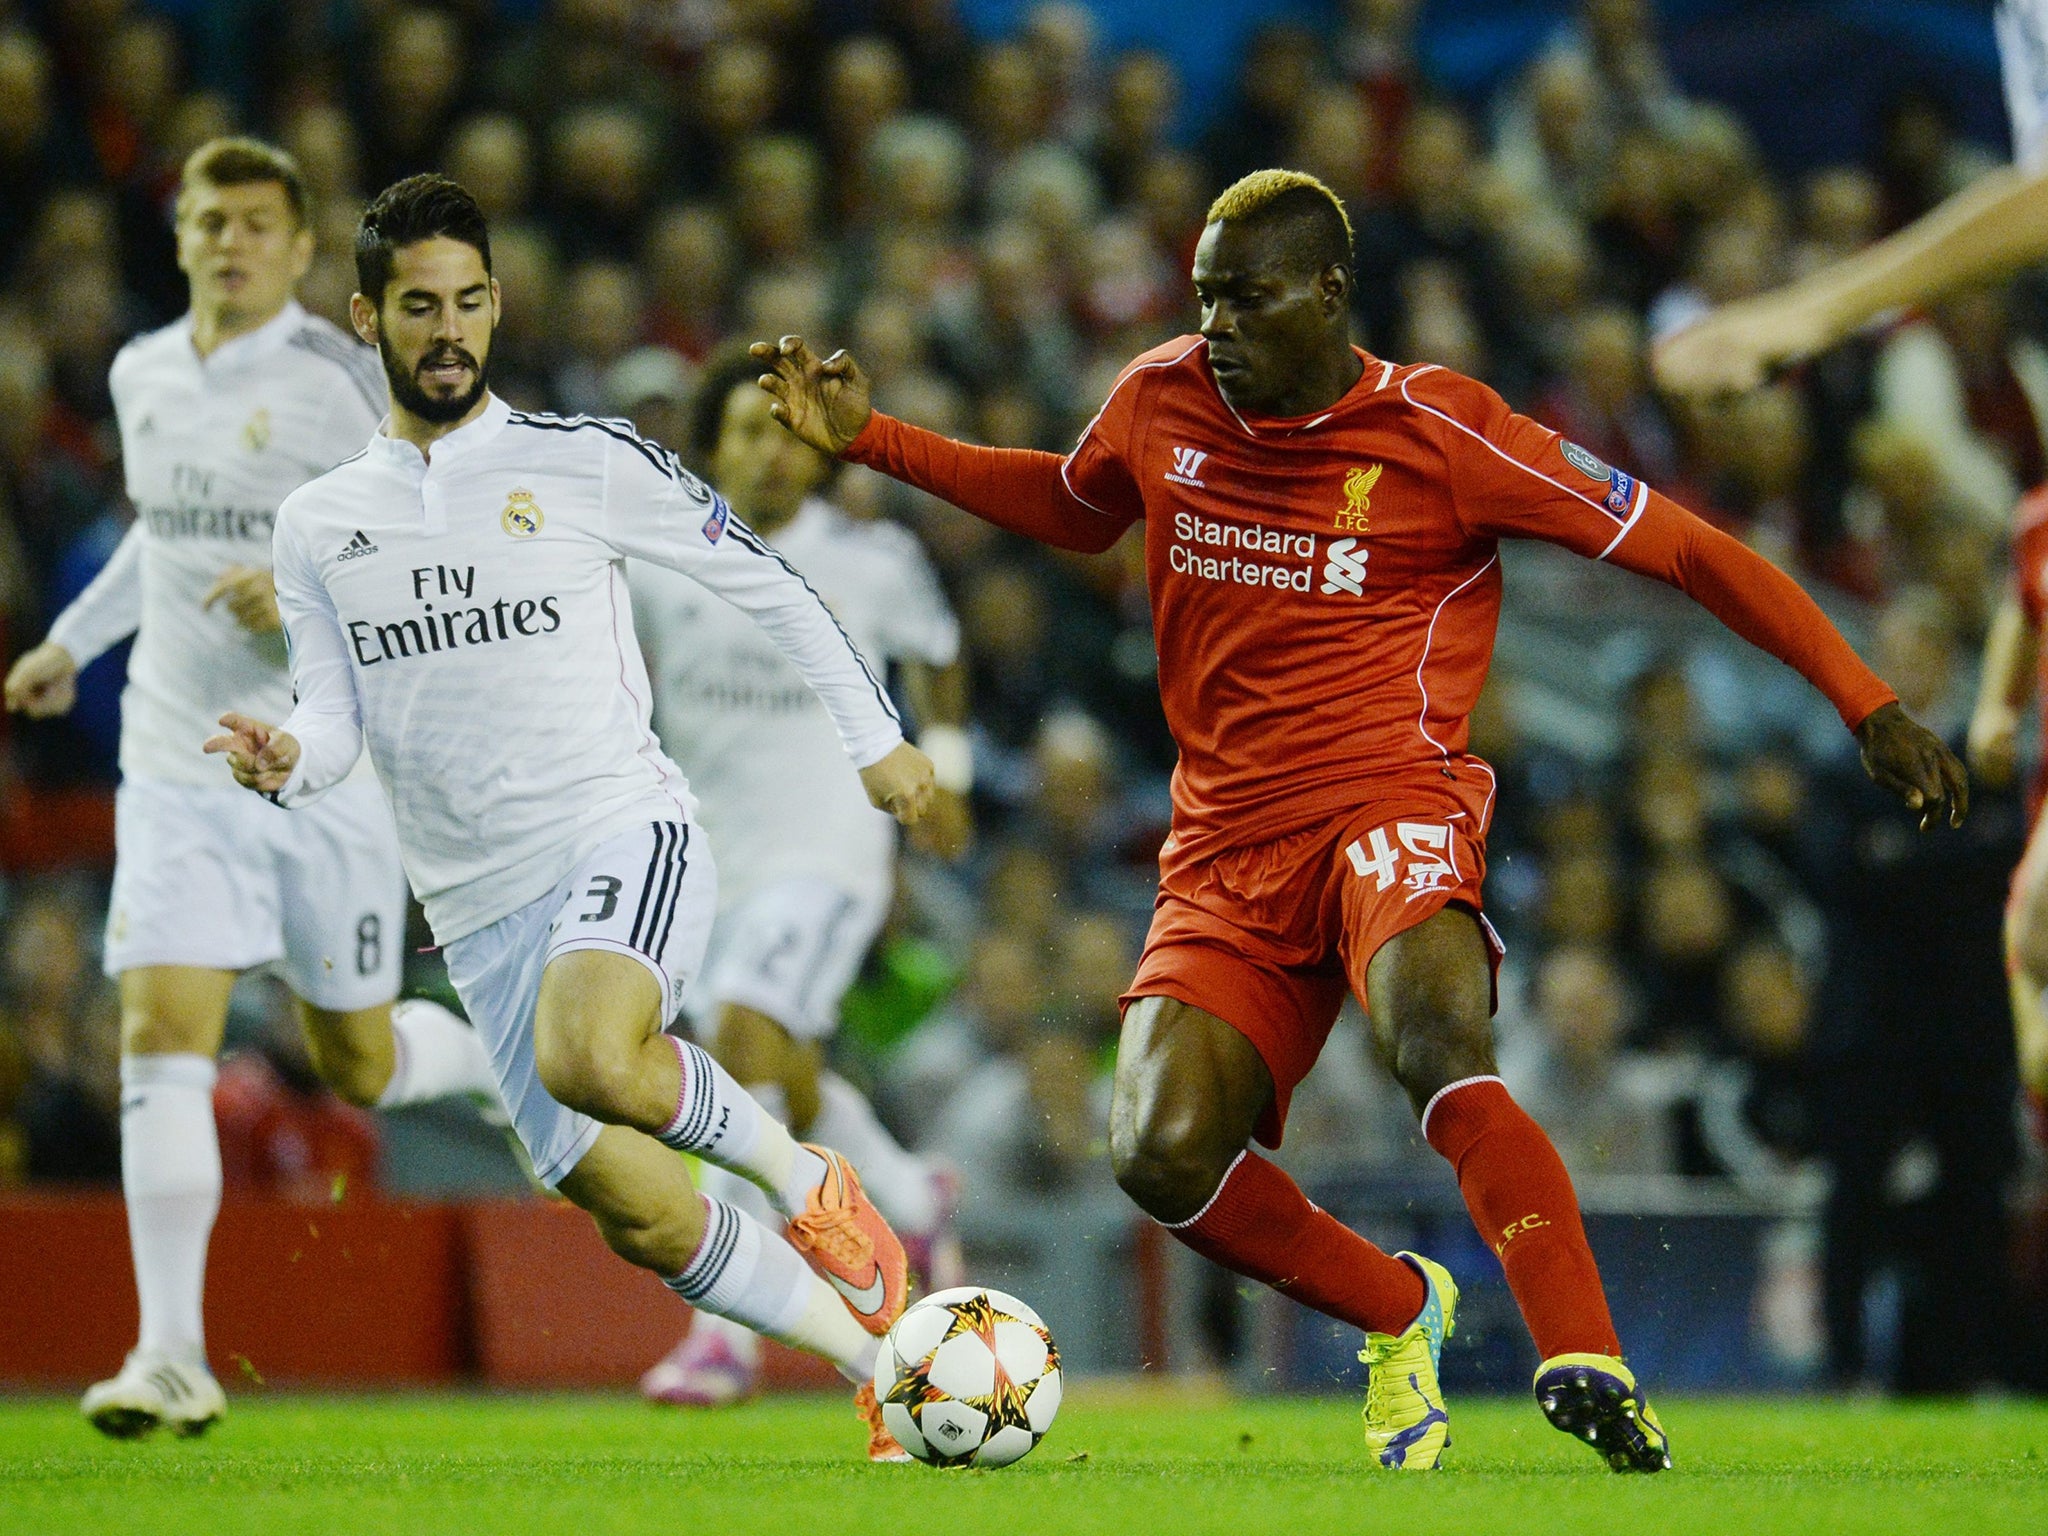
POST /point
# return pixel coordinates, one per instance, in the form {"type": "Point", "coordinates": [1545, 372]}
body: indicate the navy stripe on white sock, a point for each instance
{"type": "Point", "coordinates": [692, 1126]}
{"type": "Point", "coordinates": [722, 1230]}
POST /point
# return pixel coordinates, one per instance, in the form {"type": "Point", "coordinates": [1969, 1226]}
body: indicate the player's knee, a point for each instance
{"type": "Point", "coordinates": [579, 1075]}
{"type": "Point", "coordinates": [356, 1078]}
{"type": "Point", "coordinates": [1436, 1046]}
{"type": "Point", "coordinates": [1170, 1171]}
{"type": "Point", "coordinates": [355, 1073]}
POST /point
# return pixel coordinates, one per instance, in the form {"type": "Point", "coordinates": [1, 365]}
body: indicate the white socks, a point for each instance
{"type": "Point", "coordinates": [435, 1054]}
{"type": "Point", "coordinates": [170, 1175]}
{"type": "Point", "coordinates": [899, 1182]}
{"type": "Point", "coordinates": [724, 1125]}
{"type": "Point", "coordinates": [747, 1274]}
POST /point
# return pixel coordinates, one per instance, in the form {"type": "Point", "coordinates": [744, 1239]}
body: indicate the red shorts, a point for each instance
{"type": "Point", "coordinates": [1270, 936]}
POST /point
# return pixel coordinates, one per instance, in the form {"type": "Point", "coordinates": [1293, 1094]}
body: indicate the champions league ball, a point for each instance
{"type": "Point", "coordinates": [968, 1378]}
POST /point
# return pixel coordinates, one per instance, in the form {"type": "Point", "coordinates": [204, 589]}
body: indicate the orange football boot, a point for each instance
{"type": "Point", "coordinates": [882, 1446]}
{"type": "Point", "coordinates": [843, 1237]}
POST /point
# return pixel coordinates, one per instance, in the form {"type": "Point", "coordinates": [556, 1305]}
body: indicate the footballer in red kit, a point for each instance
{"type": "Point", "coordinates": [1321, 536]}
{"type": "Point", "coordinates": [2016, 670]}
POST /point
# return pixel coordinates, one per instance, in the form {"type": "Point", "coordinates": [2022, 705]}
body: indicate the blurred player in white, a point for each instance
{"type": "Point", "coordinates": [1996, 224]}
{"type": "Point", "coordinates": [455, 600]}
{"type": "Point", "coordinates": [807, 866]}
{"type": "Point", "coordinates": [221, 416]}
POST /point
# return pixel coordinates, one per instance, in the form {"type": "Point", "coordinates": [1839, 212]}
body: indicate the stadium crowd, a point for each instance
{"type": "Point", "coordinates": [1729, 957]}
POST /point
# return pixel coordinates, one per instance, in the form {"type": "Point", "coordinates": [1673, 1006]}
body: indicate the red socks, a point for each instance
{"type": "Point", "coordinates": [1521, 1201]}
{"type": "Point", "coordinates": [1261, 1225]}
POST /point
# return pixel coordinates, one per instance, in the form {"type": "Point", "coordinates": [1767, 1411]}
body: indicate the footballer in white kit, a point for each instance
{"type": "Point", "coordinates": [456, 604]}
{"type": "Point", "coordinates": [222, 414]}
{"type": "Point", "coordinates": [807, 866]}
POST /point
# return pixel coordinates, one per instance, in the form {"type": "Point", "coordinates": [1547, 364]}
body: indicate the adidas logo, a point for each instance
{"type": "Point", "coordinates": [357, 547]}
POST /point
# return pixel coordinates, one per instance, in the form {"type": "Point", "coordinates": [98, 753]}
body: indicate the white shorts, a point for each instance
{"type": "Point", "coordinates": [214, 876]}
{"type": "Point", "coordinates": [790, 951]}
{"type": "Point", "coordinates": [648, 893]}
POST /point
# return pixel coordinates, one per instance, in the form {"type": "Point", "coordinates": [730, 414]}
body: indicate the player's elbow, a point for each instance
{"type": "Point", "coordinates": [1092, 534]}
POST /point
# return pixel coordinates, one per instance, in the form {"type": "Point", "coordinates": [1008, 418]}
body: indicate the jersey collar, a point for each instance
{"type": "Point", "coordinates": [464, 440]}
{"type": "Point", "coordinates": [253, 346]}
{"type": "Point", "coordinates": [1369, 382]}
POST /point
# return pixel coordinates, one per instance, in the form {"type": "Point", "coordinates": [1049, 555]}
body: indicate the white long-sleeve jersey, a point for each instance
{"type": "Point", "coordinates": [468, 617]}
{"type": "Point", "coordinates": [771, 783]}
{"type": "Point", "coordinates": [209, 447]}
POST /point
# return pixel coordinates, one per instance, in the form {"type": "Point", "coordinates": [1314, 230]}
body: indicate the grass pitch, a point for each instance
{"type": "Point", "coordinates": [1122, 1462]}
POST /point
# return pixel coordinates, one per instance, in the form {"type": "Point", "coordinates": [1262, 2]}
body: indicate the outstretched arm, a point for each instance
{"type": "Point", "coordinates": [1515, 478]}
{"type": "Point", "coordinates": [656, 510]}
{"type": "Point", "coordinates": [1992, 226]}
{"type": "Point", "coordinates": [2002, 693]}
{"type": "Point", "coordinates": [1771, 611]}
{"type": "Point", "coordinates": [827, 403]}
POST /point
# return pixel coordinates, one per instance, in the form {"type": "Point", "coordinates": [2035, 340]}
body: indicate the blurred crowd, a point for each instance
{"type": "Point", "coordinates": [1729, 958]}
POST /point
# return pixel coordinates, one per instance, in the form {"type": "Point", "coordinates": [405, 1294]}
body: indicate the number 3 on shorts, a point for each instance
{"type": "Point", "coordinates": [1426, 844]}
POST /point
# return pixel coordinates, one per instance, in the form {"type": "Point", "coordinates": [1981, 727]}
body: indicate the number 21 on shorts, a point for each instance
{"type": "Point", "coordinates": [1429, 857]}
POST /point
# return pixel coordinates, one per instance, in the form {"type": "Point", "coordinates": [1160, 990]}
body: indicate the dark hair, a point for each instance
{"type": "Point", "coordinates": [407, 212]}
{"type": "Point", "coordinates": [725, 370]}
{"type": "Point", "coordinates": [242, 162]}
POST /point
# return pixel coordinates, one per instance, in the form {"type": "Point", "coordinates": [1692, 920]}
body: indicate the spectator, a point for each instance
{"type": "Point", "coordinates": [62, 1026]}
{"type": "Point", "coordinates": [1913, 1045]}
{"type": "Point", "coordinates": [491, 153]}
{"type": "Point", "coordinates": [1605, 1112]}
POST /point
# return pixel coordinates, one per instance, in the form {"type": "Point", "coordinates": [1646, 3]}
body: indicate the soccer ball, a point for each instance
{"type": "Point", "coordinates": [968, 1378]}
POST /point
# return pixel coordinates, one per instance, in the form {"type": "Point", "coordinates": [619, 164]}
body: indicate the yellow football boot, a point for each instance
{"type": "Point", "coordinates": [1405, 1421]}
{"type": "Point", "coordinates": [1594, 1397]}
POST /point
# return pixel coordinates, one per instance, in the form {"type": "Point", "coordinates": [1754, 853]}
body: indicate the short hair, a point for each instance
{"type": "Point", "coordinates": [238, 161]}
{"type": "Point", "coordinates": [725, 370]}
{"type": "Point", "coordinates": [728, 368]}
{"type": "Point", "coordinates": [409, 211]}
{"type": "Point", "coordinates": [1307, 215]}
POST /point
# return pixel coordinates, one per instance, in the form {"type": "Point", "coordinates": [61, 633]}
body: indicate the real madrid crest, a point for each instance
{"type": "Point", "coordinates": [256, 430]}
{"type": "Point", "coordinates": [521, 517]}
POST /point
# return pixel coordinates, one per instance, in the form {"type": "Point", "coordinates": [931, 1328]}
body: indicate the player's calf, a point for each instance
{"type": "Point", "coordinates": [642, 1200]}
{"type": "Point", "coordinates": [352, 1051]}
{"type": "Point", "coordinates": [759, 1052]}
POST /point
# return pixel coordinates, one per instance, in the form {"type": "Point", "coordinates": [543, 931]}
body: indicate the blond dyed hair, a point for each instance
{"type": "Point", "coordinates": [1250, 196]}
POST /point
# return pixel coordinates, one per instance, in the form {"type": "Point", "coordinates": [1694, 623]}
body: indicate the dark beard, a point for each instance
{"type": "Point", "coordinates": [406, 390]}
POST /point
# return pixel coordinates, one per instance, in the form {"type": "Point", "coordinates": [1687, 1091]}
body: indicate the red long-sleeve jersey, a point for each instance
{"type": "Point", "coordinates": [1325, 589]}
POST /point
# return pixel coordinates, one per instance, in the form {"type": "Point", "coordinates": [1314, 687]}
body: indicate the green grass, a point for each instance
{"type": "Point", "coordinates": [1118, 1461]}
